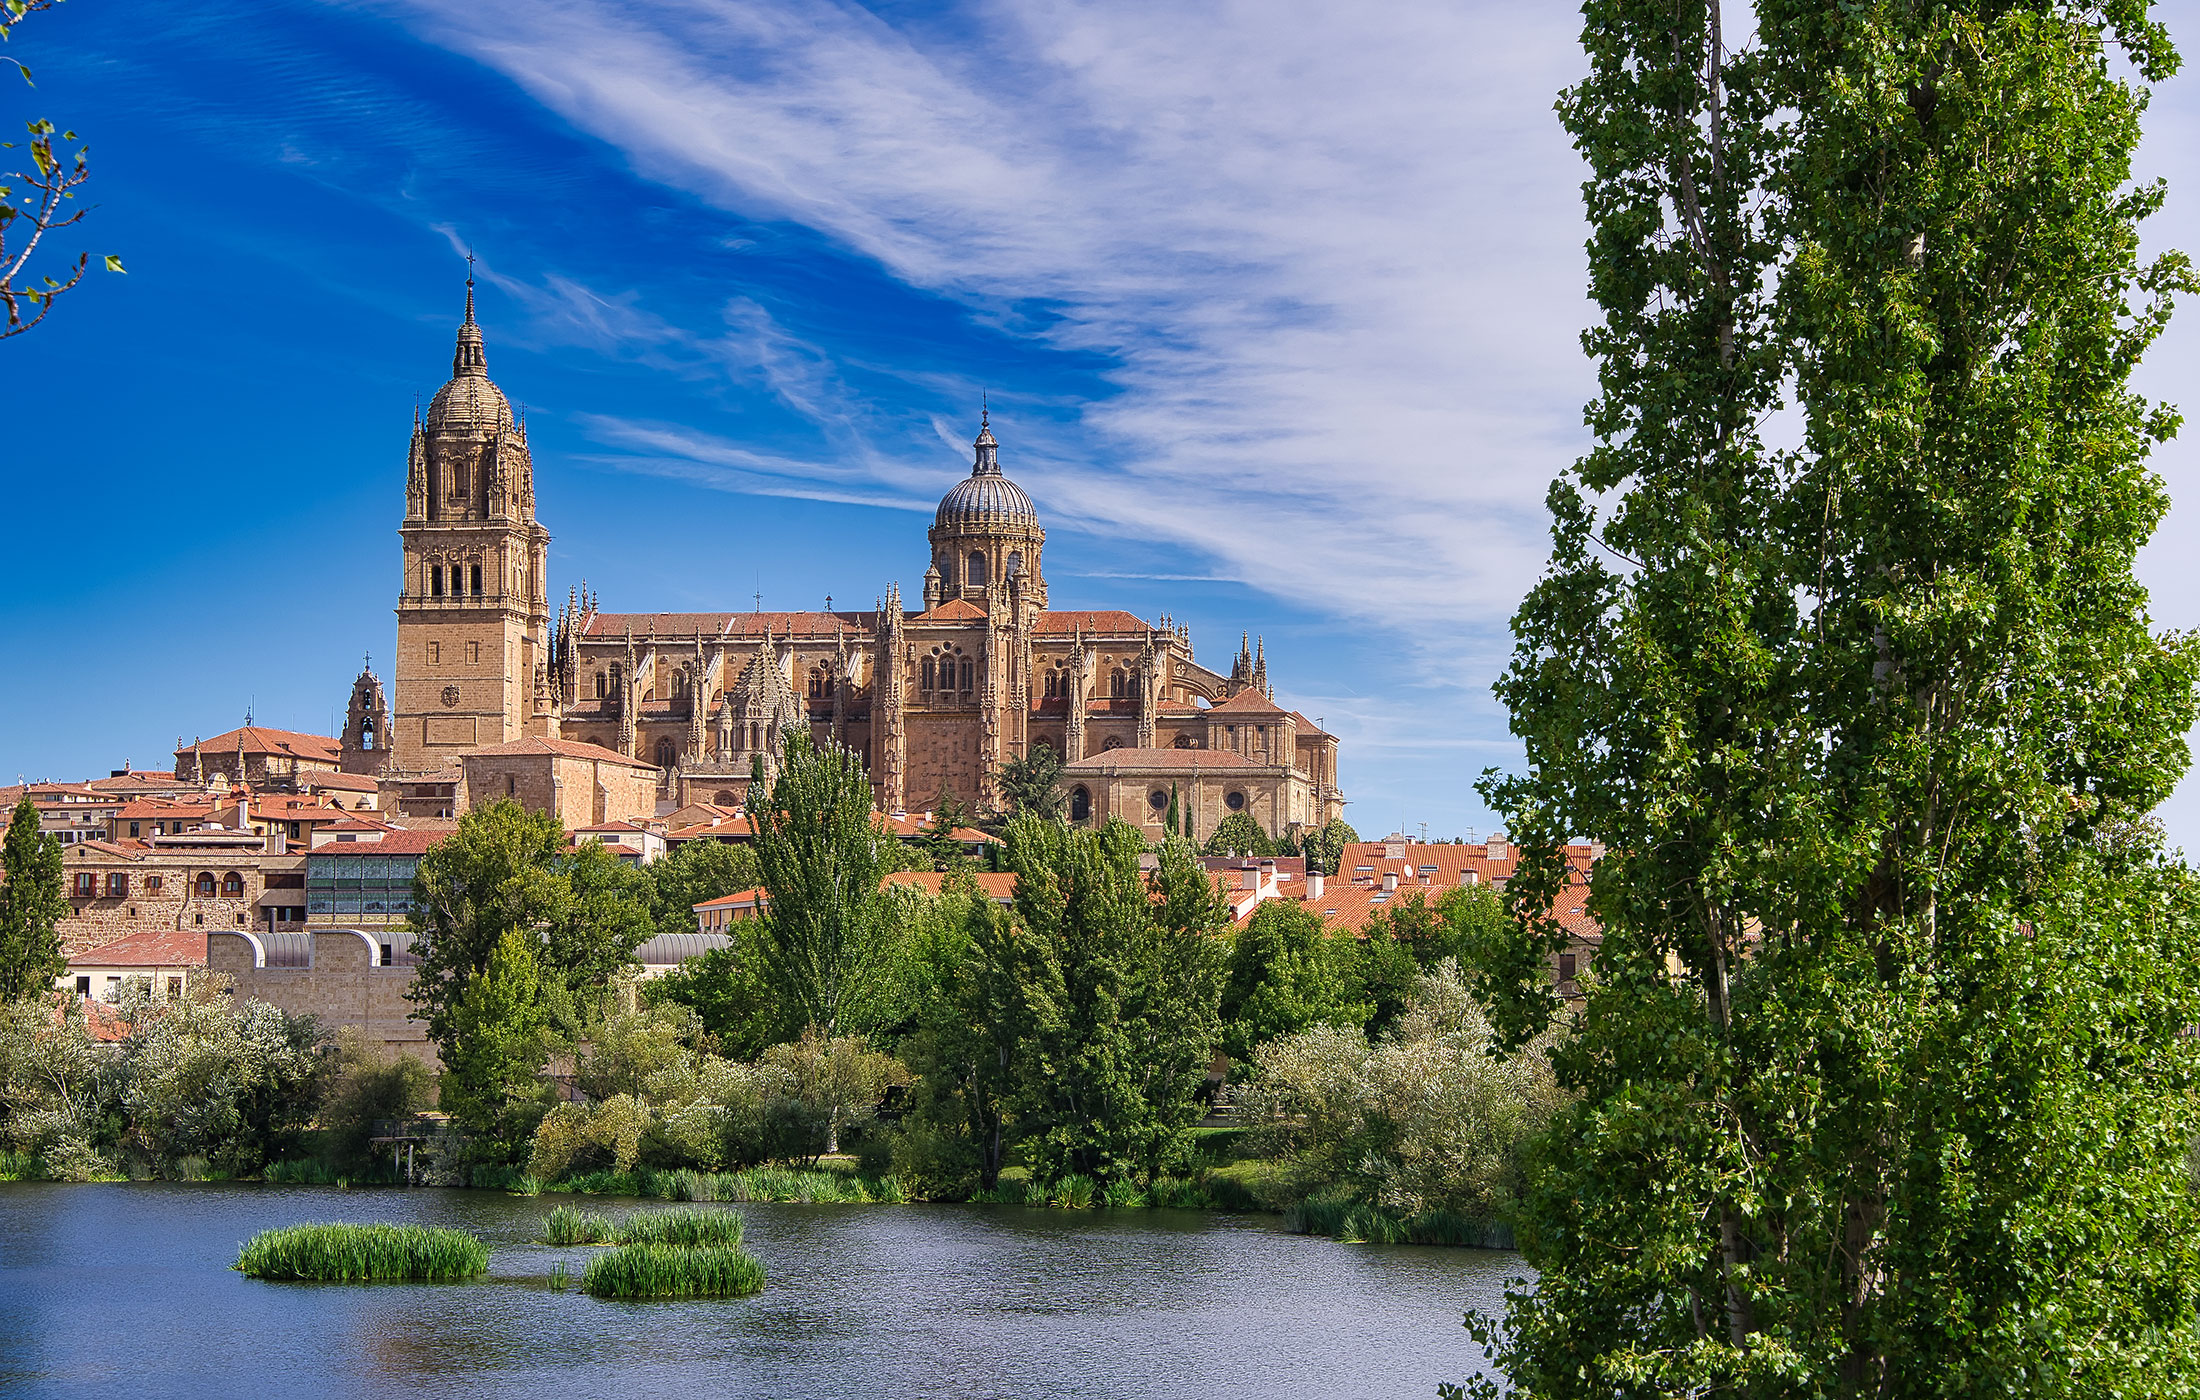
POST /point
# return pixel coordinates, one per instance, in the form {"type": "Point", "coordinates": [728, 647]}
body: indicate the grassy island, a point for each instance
{"type": "Point", "coordinates": [363, 1254]}
{"type": "Point", "coordinates": [674, 1271]}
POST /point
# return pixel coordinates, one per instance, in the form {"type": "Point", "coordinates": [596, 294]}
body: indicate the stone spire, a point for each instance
{"type": "Point", "coordinates": [1260, 669]}
{"type": "Point", "coordinates": [468, 358]}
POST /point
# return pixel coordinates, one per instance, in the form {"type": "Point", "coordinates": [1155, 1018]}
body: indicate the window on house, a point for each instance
{"type": "Point", "coordinates": [1080, 805]}
{"type": "Point", "coordinates": [928, 673]}
{"type": "Point", "coordinates": [1566, 967]}
{"type": "Point", "coordinates": [83, 986]}
{"type": "Point", "coordinates": [87, 884]}
{"type": "Point", "coordinates": [199, 919]}
{"type": "Point", "coordinates": [511, 786]}
{"type": "Point", "coordinates": [175, 988]}
{"type": "Point", "coordinates": [473, 652]}
{"type": "Point", "coordinates": [477, 580]}
{"type": "Point", "coordinates": [118, 884]}
{"type": "Point", "coordinates": [152, 884]}
{"type": "Point", "coordinates": [601, 685]}
{"type": "Point", "coordinates": [232, 885]}
{"type": "Point", "coordinates": [133, 828]}
{"type": "Point", "coordinates": [1235, 802]}
{"type": "Point", "coordinates": [1015, 563]}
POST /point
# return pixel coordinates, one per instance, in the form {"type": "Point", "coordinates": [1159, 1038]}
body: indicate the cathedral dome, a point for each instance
{"type": "Point", "coordinates": [985, 497]}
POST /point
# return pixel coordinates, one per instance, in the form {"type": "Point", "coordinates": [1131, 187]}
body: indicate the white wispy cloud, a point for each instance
{"type": "Point", "coordinates": [1331, 253]}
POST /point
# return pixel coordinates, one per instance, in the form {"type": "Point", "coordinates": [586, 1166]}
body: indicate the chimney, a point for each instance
{"type": "Point", "coordinates": [1390, 882]}
{"type": "Point", "coordinates": [1498, 849]}
{"type": "Point", "coordinates": [1249, 879]}
{"type": "Point", "coordinates": [1314, 885]}
{"type": "Point", "coordinates": [1470, 877]}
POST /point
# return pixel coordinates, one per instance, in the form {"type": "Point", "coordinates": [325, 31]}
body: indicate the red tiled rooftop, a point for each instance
{"type": "Point", "coordinates": [260, 740]}
{"type": "Point", "coordinates": [153, 948]}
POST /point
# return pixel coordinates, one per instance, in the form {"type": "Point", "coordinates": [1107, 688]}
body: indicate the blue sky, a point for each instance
{"type": "Point", "coordinates": [1276, 305]}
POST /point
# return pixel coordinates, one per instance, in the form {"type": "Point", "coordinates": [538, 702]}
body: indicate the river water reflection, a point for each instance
{"type": "Point", "coordinates": [126, 1290]}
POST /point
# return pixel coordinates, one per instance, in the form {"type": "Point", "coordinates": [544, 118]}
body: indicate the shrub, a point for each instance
{"type": "Point", "coordinates": [1122, 1194]}
{"type": "Point", "coordinates": [1075, 1191]}
{"type": "Point", "coordinates": [572, 1225]}
{"type": "Point", "coordinates": [363, 1253]}
{"type": "Point", "coordinates": [368, 1086]}
{"type": "Point", "coordinates": [688, 1229]}
{"type": "Point", "coordinates": [670, 1271]}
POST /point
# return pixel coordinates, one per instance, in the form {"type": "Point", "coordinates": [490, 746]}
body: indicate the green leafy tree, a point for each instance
{"type": "Point", "coordinates": [1030, 783]}
{"type": "Point", "coordinates": [825, 933]}
{"type": "Point", "coordinates": [505, 869]}
{"type": "Point", "coordinates": [1324, 849]}
{"type": "Point", "coordinates": [1285, 974]}
{"type": "Point", "coordinates": [965, 1049]}
{"type": "Point", "coordinates": [1121, 983]}
{"type": "Point", "coordinates": [1238, 835]}
{"type": "Point", "coordinates": [1882, 1085]}
{"type": "Point", "coordinates": [694, 872]}
{"type": "Point", "coordinates": [1172, 822]}
{"type": "Point", "coordinates": [33, 903]}
{"type": "Point", "coordinates": [944, 850]}
{"type": "Point", "coordinates": [731, 991]}
{"type": "Point", "coordinates": [34, 204]}
{"type": "Point", "coordinates": [500, 1040]}
{"type": "Point", "coordinates": [233, 1082]}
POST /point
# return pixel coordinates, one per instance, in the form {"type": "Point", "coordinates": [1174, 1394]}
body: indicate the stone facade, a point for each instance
{"type": "Point", "coordinates": [193, 881]}
{"type": "Point", "coordinates": [934, 699]}
{"type": "Point", "coordinates": [255, 756]}
{"type": "Point", "coordinates": [345, 977]}
{"type": "Point", "coordinates": [579, 784]}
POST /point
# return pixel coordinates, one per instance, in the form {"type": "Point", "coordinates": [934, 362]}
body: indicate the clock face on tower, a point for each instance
{"type": "Point", "coordinates": [450, 697]}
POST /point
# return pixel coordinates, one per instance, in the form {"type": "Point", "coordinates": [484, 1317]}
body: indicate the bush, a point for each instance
{"type": "Point", "coordinates": [1421, 1121]}
{"type": "Point", "coordinates": [571, 1225]}
{"type": "Point", "coordinates": [300, 1173]}
{"type": "Point", "coordinates": [686, 1228]}
{"type": "Point", "coordinates": [363, 1253]}
{"type": "Point", "coordinates": [670, 1271]}
{"type": "Point", "coordinates": [368, 1086]}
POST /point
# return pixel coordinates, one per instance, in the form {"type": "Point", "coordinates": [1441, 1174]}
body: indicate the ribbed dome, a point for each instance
{"type": "Point", "coordinates": [985, 497]}
{"type": "Point", "coordinates": [469, 405]}
{"type": "Point", "coordinates": [986, 500]}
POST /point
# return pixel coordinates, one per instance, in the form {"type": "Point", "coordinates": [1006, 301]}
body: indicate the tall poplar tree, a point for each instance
{"type": "Point", "coordinates": [32, 905]}
{"type": "Point", "coordinates": [1881, 1088]}
{"type": "Point", "coordinates": [825, 932]}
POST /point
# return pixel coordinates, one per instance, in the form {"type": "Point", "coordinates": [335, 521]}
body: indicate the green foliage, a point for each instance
{"type": "Point", "coordinates": [367, 1086]}
{"type": "Point", "coordinates": [1881, 1084]}
{"type": "Point", "coordinates": [1424, 1119]}
{"type": "Point", "coordinates": [838, 1080]}
{"type": "Point", "coordinates": [695, 871]}
{"type": "Point", "coordinates": [730, 991]}
{"type": "Point", "coordinates": [1117, 989]}
{"type": "Point", "coordinates": [1285, 974]}
{"type": "Point", "coordinates": [670, 1271]}
{"type": "Point", "coordinates": [1324, 849]}
{"type": "Point", "coordinates": [32, 905]}
{"type": "Point", "coordinates": [630, 1052]}
{"type": "Point", "coordinates": [60, 1091]}
{"type": "Point", "coordinates": [1238, 835]}
{"type": "Point", "coordinates": [972, 1026]}
{"type": "Point", "coordinates": [825, 933]}
{"type": "Point", "coordinates": [499, 1040]}
{"type": "Point", "coordinates": [232, 1083]}
{"type": "Point", "coordinates": [937, 839]}
{"type": "Point", "coordinates": [363, 1254]}
{"type": "Point", "coordinates": [685, 1229]}
{"type": "Point", "coordinates": [567, 1225]}
{"type": "Point", "coordinates": [1029, 783]}
{"type": "Point", "coordinates": [504, 870]}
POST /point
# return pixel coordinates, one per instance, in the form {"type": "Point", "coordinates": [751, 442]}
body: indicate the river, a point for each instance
{"type": "Point", "coordinates": [110, 1290]}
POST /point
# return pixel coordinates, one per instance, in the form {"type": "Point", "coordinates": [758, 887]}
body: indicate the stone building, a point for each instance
{"type": "Point", "coordinates": [581, 785]}
{"type": "Point", "coordinates": [257, 757]}
{"type": "Point", "coordinates": [935, 698]}
{"type": "Point", "coordinates": [196, 880]}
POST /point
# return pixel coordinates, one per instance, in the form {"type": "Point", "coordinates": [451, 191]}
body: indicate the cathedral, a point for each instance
{"type": "Point", "coordinates": [934, 698]}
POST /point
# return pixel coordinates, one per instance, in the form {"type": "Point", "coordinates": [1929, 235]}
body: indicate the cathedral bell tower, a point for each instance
{"type": "Point", "coordinates": [473, 616]}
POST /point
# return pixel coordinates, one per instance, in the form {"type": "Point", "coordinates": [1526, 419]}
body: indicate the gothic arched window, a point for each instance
{"type": "Point", "coordinates": [1118, 684]}
{"type": "Point", "coordinates": [1015, 562]}
{"type": "Point", "coordinates": [667, 754]}
{"type": "Point", "coordinates": [818, 687]}
{"type": "Point", "coordinates": [435, 580]}
{"type": "Point", "coordinates": [966, 673]}
{"type": "Point", "coordinates": [603, 685]}
{"type": "Point", "coordinates": [477, 580]}
{"type": "Point", "coordinates": [1080, 805]}
{"type": "Point", "coordinates": [929, 673]}
{"type": "Point", "coordinates": [976, 576]}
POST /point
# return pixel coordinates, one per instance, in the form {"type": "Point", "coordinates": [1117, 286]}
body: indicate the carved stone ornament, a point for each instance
{"type": "Point", "coordinates": [450, 697]}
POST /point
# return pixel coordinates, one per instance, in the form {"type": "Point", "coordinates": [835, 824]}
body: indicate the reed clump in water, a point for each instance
{"type": "Point", "coordinates": [673, 1271]}
{"type": "Point", "coordinates": [687, 1229]}
{"type": "Point", "coordinates": [363, 1254]}
{"type": "Point", "coordinates": [571, 1225]}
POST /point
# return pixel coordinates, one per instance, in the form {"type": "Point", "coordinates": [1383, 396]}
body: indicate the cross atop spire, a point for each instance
{"type": "Point", "coordinates": [469, 286]}
{"type": "Point", "coordinates": [468, 357]}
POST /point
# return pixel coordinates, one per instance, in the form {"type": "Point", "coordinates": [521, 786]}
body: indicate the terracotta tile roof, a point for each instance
{"type": "Point", "coordinates": [612, 826]}
{"type": "Point", "coordinates": [722, 827]}
{"type": "Point", "coordinates": [127, 849]}
{"type": "Point", "coordinates": [344, 782]}
{"type": "Point", "coordinates": [562, 748]}
{"type": "Point", "coordinates": [163, 809]}
{"type": "Point", "coordinates": [1163, 760]}
{"type": "Point", "coordinates": [396, 841]}
{"type": "Point", "coordinates": [1102, 620]}
{"type": "Point", "coordinates": [953, 610]}
{"type": "Point", "coordinates": [1000, 888]}
{"type": "Point", "coordinates": [258, 739]}
{"type": "Point", "coordinates": [728, 626]}
{"type": "Point", "coordinates": [739, 899]}
{"type": "Point", "coordinates": [1248, 702]}
{"type": "Point", "coordinates": [1310, 730]}
{"type": "Point", "coordinates": [102, 1022]}
{"type": "Point", "coordinates": [153, 948]}
{"type": "Point", "coordinates": [135, 779]}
